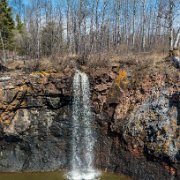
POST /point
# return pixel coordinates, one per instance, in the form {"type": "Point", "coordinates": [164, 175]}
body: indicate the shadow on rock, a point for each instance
{"type": "Point", "coordinates": [175, 102]}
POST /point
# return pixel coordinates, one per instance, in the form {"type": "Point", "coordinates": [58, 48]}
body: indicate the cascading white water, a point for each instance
{"type": "Point", "coordinates": [82, 160]}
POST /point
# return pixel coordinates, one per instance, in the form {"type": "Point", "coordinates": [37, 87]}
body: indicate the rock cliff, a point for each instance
{"type": "Point", "coordinates": [135, 111]}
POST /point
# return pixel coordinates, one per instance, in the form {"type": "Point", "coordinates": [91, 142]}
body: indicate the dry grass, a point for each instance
{"type": "Point", "coordinates": [98, 60]}
{"type": "Point", "coordinates": [139, 62]}
{"type": "Point", "coordinates": [12, 65]}
{"type": "Point", "coordinates": [64, 60]}
{"type": "Point", "coordinates": [141, 65]}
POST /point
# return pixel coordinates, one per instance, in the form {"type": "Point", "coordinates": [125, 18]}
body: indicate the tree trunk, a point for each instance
{"type": "Point", "coordinates": [4, 52]}
{"type": "Point", "coordinates": [171, 38]}
{"type": "Point", "coordinates": [97, 25]}
{"type": "Point", "coordinates": [143, 25]}
{"type": "Point", "coordinates": [67, 25]}
{"type": "Point", "coordinates": [176, 42]}
{"type": "Point", "coordinates": [134, 16]}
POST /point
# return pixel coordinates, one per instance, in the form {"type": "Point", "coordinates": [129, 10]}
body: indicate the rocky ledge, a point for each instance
{"type": "Point", "coordinates": [136, 117]}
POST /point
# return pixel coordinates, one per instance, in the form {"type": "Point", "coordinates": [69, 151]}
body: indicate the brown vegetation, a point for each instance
{"type": "Point", "coordinates": [93, 29]}
{"type": "Point", "coordinates": [174, 52]}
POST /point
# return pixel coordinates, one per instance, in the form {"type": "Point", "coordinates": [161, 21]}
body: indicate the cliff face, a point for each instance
{"type": "Point", "coordinates": [35, 117]}
{"type": "Point", "coordinates": [136, 116]}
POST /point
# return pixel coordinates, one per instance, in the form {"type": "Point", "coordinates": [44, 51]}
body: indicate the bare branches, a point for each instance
{"type": "Point", "coordinates": [94, 26]}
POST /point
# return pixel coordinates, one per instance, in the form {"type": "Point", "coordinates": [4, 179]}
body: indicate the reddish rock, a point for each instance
{"type": "Point", "coordinates": [101, 87]}
{"type": "Point", "coordinates": [133, 124]}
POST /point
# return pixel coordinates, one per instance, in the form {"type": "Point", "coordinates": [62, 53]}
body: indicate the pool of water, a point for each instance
{"type": "Point", "coordinates": [53, 176]}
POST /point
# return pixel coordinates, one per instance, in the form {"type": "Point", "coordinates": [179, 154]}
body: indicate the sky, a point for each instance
{"type": "Point", "coordinates": [28, 2]}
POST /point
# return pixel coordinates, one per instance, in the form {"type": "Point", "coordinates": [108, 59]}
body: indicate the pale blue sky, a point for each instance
{"type": "Point", "coordinates": [153, 2]}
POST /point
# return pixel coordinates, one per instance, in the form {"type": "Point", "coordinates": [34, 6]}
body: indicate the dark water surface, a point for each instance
{"type": "Point", "coordinates": [53, 176]}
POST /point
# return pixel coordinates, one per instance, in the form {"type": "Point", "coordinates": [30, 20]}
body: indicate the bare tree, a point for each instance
{"type": "Point", "coordinates": [3, 46]}
{"type": "Point", "coordinates": [177, 40]}
{"type": "Point", "coordinates": [134, 18]}
{"type": "Point", "coordinates": [170, 21]}
{"type": "Point", "coordinates": [84, 26]}
{"type": "Point", "coordinates": [143, 43]}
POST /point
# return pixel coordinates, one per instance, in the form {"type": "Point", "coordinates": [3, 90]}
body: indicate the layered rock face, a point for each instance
{"type": "Point", "coordinates": [35, 121]}
{"type": "Point", "coordinates": [136, 117]}
{"type": "Point", "coordinates": [142, 128]}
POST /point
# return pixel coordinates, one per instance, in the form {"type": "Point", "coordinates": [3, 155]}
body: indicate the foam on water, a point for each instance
{"type": "Point", "coordinates": [87, 175]}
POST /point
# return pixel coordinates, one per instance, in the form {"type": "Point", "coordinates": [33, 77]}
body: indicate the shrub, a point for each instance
{"type": "Point", "coordinates": [121, 79]}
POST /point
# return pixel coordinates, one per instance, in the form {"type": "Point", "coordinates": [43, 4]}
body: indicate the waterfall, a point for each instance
{"type": "Point", "coordinates": [82, 160]}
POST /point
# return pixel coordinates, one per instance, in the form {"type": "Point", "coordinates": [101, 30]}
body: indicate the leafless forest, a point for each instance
{"type": "Point", "coordinates": [83, 27]}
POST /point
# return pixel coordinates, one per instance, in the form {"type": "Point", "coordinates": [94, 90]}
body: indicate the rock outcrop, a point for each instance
{"type": "Point", "coordinates": [136, 116]}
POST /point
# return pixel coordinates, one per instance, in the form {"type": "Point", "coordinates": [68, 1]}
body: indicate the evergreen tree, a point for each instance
{"type": "Point", "coordinates": [6, 25]}
{"type": "Point", "coordinates": [20, 36]}
{"type": "Point", "coordinates": [19, 24]}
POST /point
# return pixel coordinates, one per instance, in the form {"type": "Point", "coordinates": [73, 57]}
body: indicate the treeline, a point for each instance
{"type": "Point", "coordinates": [54, 27]}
